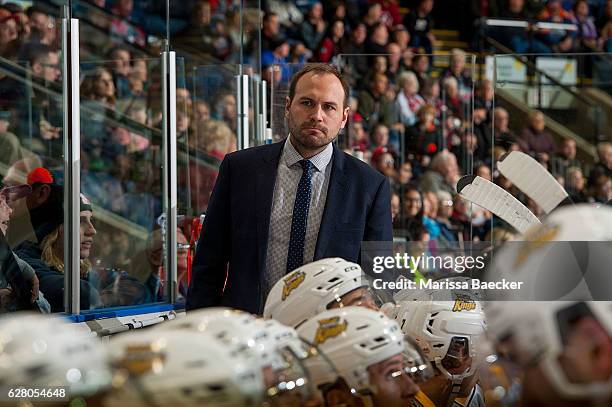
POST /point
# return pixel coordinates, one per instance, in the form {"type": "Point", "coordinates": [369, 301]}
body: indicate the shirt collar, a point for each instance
{"type": "Point", "coordinates": [320, 161]}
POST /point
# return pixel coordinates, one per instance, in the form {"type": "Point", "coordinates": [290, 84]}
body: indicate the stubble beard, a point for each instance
{"type": "Point", "coordinates": [305, 142]}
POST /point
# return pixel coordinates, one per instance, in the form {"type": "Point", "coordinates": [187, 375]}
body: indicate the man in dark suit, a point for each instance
{"type": "Point", "coordinates": [276, 207]}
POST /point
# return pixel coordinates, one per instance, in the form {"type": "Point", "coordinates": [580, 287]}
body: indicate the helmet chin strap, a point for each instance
{"type": "Point", "coordinates": [455, 387]}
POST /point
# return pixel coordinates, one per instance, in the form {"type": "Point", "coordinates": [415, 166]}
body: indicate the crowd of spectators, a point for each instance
{"type": "Point", "coordinates": [421, 125]}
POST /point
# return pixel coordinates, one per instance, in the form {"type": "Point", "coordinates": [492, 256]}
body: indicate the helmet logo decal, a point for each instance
{"type": "Point", "coordinates": [463, 303]}
{"type": "Point", "coordinates": [292, 282]}
{"type": "Point", "coordinates": [534, 240]}
{"type": "Point", "coordinates": [329, 328]}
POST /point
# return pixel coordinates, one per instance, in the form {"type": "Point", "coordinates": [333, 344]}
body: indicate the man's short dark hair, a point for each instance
{"type": "Point", "coordinates": [319, 69]}
{"type": "Point", "coordinates": [268, 15]}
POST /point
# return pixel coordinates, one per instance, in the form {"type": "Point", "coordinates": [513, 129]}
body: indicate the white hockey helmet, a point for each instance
{"type": "Point", "coordinates": [38, 350]}
{"type": "Point", "coordinates": [183, 369]}
{"type": "Point", "coordinates": [564, 264]}
{"type": "Point", "coordinates": [354, 338]}
{"type": "Point", "coordinates": [277, 349]}
{"type": "Point", "coordinates": [313, 288]}
{"type": "Point", "coordinates": [447, 331]}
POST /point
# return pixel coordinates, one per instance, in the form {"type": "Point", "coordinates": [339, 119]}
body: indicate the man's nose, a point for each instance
{"type": "Point", "coordinates": [317, 113]}
{"type": "Point", "coordinates": [410, 387]}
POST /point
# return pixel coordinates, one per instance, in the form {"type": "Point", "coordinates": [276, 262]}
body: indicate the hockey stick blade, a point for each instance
{"type": "Point", "coordinates": [533, 179]}
{"type": "Point", "coordinates": [494, 199]}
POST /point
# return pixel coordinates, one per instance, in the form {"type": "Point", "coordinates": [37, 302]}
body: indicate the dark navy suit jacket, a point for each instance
{"type": "Point", "coordinates": [228, 268]}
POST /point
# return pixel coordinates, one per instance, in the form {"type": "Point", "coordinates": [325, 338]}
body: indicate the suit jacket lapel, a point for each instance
{"type": "Point", "coordinates": [264, 194]}
{"type": "Point", "coordinates": [333, 203]}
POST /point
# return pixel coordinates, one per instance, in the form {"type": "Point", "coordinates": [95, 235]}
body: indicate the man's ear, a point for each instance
{"type": "Point", "coordinates": [287, 105]}
{"type": "Point", "coordinates": [345, 116]}
{"type": "Point", "coordinates": [43, 194]}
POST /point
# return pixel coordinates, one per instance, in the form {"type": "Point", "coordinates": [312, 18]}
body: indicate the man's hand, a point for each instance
{"type": "Point", "coordinates": [35, 288]}
{"type": "Point", "coordinates": [6, 295]}
{"type": "Point", "coordinates": [47, 131]}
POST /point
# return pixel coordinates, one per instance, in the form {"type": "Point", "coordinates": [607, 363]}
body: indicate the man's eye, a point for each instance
{"type": "Point", "coordinates": [329, 107]}
{"type": "Point", "coordinates": [306, 102]}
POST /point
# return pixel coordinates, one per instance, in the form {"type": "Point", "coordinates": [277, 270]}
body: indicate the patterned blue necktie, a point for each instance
{"type": "Point", "coordinates": [295, 254]}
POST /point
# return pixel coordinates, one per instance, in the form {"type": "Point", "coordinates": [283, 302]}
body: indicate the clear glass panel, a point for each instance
{"type": "Point", "coordinates": [121, 156]}
{"type": "Point", "coordinates": [31, 136]}
{"type": "Point", "coordinates": [555, 108]}
{"type": "Point", "coordinates": [406, 110]}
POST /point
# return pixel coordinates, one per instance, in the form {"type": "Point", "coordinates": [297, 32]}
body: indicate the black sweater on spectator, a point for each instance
{"type": "Point", "coordinates": [52, 280]}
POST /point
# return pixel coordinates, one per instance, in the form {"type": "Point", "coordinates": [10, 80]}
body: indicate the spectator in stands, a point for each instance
{"type": "Point", "coordinates": [42, 28]}
{"type": "Point", "coordinates": [575, 185]}
{"type": "Point", "coordinates": [420, 66]}
{"type": "Point", "coordinates": [443, 218]}
{"type": "Point", "coordinates": [360, 139]}
{"type": "Point", "coordinates": [419, 24]}
{"type": "Point", "coordinates": [394, 59]}
{"type": "Point", "coordinates": [503, 136]}
{"type": "Point", "coordinates": [606, 37]}
{"type": "Point", "coordinates": [430, 212]}
{"type": "Point", "coordinates": [586, 38]}
{"type": "Point", "coordinates": [334, 44]}
{"type": "Point", "coordinates": [395, 207]}
{"type": "Point", "coordinates": [519, 39]}
{"type": "Point", "coordinates": [600, 189]}
{"type": "Point", "coordinates": [557, 40]}
{"type": "Point", "coordinates": [482, 131]}
{"type": "Point", "coordinates": [408, 101]}
{"type": "Point", "coordinates": [372, 16]}
{"type": "Point", "coordinates": [565, 158]}
{"type": "Point", "coordinates": [122, 27]}
{"type": "Point", "coordinates": [400, 36]}
{"type": "Point", "coordinates": [605, 16]}
{"type": "Point", "coordinates": [412, 206]}
{"type": "Point", "coordinates": [313, 27]}
{"type": "Point", "coordinates": [47, 256]}
{"type": "Point", "coordinates": [483, 171]}
{"type": "Point", "coordinates": [486, 92]}
{"type": "Point", "coordinates": [404, 176]}
{"type": "Point", "coordinates": [99, 86]}
{"type": "Point", "coordinates": [211, 142]}
{"type": "Point", "coordinates": [19, 285]}
{"type": "Point", "coordinates": [358, 67]}
{"type": "Point", "coordinates": [604, 162]}
{"type": "Point", "coordinates": [225, 110]}
{"type": "Point", "coordinates": [9, 142]}
{"type": "Point", "coordinates": [536, 140]}
{"type": "Point", "coordinates": [277, 55]}
{"type": "Point", "coordinates": [383, 161]}
{"type": "Point", "coordinates": [458, 70]}
{"type": "Point", "coordinates": [424, 138]}
{"type": "Point", "coordinates": [286, 14]}
{"type": "Point", "coordinates": [35, 106]}
{"type": "Point", "coordinates": [377, 40]}
{"type": "Point", "coordinates": [120, 68]}
{"type": "Point", "coordinates": [390, 12]}
{"type": "Point", "coordinates": [431, 95]}
{"type": "Point", "coordinates": [452, 98]}
{"type": "Point", "coordinates": [374, 106]}
{"type": "Point", "coordinates": [9, 33]}
{"type": "Point", "coordinates": [380, 137]}
{"type": "Point", "coordinates": [442, 175]}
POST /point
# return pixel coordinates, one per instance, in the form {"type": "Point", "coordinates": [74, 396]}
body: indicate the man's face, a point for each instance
{"type": "Point", "coordinates": [359, 297]}
{"type": "Point", "coordinates": [39, 22]}
{"type": "Point", "coordinates": [392, 386]}
{"type": "Point", "coordinates": [121, 62]}
{"type": "Point", "coordinates": [50, 67]}
{"type": "Point", "coordinates": [569, 149]}
{"type": "Point", "coordinates": [395, 206]}
{"type": "Point", "coordinates": [380, 84]}
{"type": "Point", "coordinates": [317, 113]}
{"type": "Point", "coordinates": [5, 213]}
{"type": "Point", "coordinates": [271, 26]}
{"type": "Point", "coordinates": [537, 122]}
{"type": "Point", "coordinates": [87, 232]}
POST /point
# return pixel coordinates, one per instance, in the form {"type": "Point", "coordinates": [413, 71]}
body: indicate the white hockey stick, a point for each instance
{"type": "Point", "coordinates": [533, 179]}
{"type": "Point", "coordinates": [495, 199]}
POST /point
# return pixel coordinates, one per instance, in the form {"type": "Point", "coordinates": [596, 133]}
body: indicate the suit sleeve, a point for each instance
{"type": "Point", "coordinates": [378, 223]}
{"type": "Point", "coordinates": [209, 267]}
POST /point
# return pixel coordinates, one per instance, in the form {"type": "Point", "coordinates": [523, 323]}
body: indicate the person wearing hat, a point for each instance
{"type": "Point", "coordinates": [19, 285]}
{"type": "Point", "coordinates": [46, 256]}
